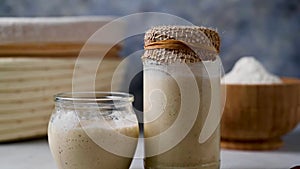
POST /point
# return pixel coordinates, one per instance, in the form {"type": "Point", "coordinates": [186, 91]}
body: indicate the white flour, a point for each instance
{"type": "Point", "coordinates": [248, 70]}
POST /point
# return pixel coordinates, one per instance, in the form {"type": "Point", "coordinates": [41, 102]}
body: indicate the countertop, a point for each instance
{"type": "Point", "coordinates": [35, 154]}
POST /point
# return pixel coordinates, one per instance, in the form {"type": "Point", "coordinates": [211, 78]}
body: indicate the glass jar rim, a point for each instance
{"type": "Point", "coordinates": [99, 97]}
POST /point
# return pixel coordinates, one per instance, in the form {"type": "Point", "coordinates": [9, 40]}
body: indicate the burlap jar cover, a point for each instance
{"type": "Point", "coordinates": [187, 44]}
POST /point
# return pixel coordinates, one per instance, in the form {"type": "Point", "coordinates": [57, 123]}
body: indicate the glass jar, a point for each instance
{"type": "Point", "coordinates": [182, 100]}
{"type": "Point", "coordinates": [93, 130]}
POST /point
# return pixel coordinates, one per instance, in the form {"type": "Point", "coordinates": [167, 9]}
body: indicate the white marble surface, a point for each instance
{"type": "Point", "coordinates": [35, 154]}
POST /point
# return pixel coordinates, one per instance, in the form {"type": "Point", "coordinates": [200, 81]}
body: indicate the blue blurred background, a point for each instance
{"type": "Point", "coordinates": [268, 30]}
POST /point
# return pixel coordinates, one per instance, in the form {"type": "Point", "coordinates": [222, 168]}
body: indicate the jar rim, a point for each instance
{"type": "Point", "coordinates": [99, 97]}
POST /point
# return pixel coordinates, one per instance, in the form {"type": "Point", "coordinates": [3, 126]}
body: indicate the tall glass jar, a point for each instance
{"type": "Point", "coordinates": [93, 130]}
{"type": "Point", "coordinates": [182, 98]}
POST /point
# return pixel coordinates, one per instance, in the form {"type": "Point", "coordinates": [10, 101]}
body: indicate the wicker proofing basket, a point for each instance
{"type": "Point", "coordinates": [32, 72]}
{"type": "Point", "coordinates": [256, 116]}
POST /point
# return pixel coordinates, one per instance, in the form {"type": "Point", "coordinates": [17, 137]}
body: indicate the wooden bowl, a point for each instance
{"type": "Point", "coordinates": [257, 116]}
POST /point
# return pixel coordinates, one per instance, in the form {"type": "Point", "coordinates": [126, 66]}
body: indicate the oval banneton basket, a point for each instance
{"type": "Point", "coordinates": [257, 116]}
{"type": "Point", "coordinates": [37, 59]}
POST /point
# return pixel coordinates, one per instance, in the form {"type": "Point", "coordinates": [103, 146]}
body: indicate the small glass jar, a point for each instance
{"type": "Point", "coordinates": [93, 130]}
{"type": "Point", "coordinates": [182, 98]}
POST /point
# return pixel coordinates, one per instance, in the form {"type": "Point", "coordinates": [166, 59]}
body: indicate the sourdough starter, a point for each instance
{"type": "Point", "coordinates": [73, 148]}
{"type": "Point", "coordinates": [189, 153]}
